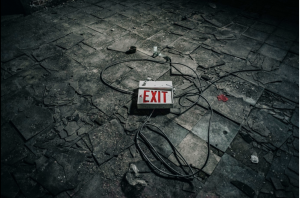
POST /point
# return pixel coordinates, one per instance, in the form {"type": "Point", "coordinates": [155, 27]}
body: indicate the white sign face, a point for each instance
{"type": "Point", "coordinates": [155, 95]}
{"type": "Point", "coordinates": [151, 99]}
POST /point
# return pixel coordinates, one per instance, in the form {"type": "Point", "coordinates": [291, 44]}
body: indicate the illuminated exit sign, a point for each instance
{"type": "Point", "coordinates": [155, 95]}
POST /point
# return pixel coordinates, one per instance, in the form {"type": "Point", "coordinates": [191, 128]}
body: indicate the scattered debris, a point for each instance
{"type": "Point", "coordinates": [254, 158]}
{"type": "Point", "coordinates": [133, 185]}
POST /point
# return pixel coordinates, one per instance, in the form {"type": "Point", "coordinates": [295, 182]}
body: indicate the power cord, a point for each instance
{"type": "Point", "coordinates": [140, 136]}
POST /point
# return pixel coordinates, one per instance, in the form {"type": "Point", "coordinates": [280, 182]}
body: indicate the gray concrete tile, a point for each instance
{"type": "Point", "coordinates": [255, 34]}
{"type": "Point", "coordinates": [185, 46]}
{"type": "Point", "coordinates": [230, 169]}
{"type": "Point", "coordinates": [195, 150]}
{"type": "Point", "coordinates": [190, 118]}
{"type": "Point", "coordinates": [263, 27]}
{"type": "Point", "coordinates": [272, 52]}
{"type": "Point", "coordinates": [206, 58]}
{"type": "Point", "coordinates": [279, 42]}
{"type": "Point", "coordinates": [222, 130]}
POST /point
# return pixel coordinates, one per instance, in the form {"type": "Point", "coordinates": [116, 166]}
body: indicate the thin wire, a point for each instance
{"type": "Point", "coordinates": [139, 133]}
{"type": "Point", "coordinates": [141, 136]}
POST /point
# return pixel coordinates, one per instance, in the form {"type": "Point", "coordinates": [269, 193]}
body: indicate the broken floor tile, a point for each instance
{"type": "Point", "coordinates": [290, 35]}
{"type": "Point", "coordinates": [124, 43]}
{"type": "Point", "coordinates": [145, 30]}
{"type": "Point", "coordinates": [110, 135]}
{"type": "Point", "coordinates": [230, 169]}
{"type": "Point", "coordinates": [153, 70]}
{"type": "Point", "coordinates": [190, 24]}
{"type": "Point", "coordinates": [109, 100]}
{"type": "Point", "coordinates": [185, 46]}
{"type": "Point", "coordinates": [295, 48]}
{"type": "Point", "coordinates": [28, 186]}
{"type": "Point", "coordinates": [291, 60]}
{"type": "Point", "coordinates": [10, 53]}
{"type": "Point", "coordinates": [264, 62]}
{"type": "Point", "coordinates": [237, 48]}
{"type": "Point", "coordinates": [102, 14]}
{"type": "Point", "coordinates": [269, 157]}
{"type": "Point", "coordinates": [294, 164]}
{"type": "Point", "coordinates": [177, 30]}
{"type": "Point", "coordinates": [279, 166]}
{"type": "Point", "coordinates": [277, 184]}
{"type": "Point", "coordinates": [194, 150]}
{"type": "Point", "coordinates": [279, 42]}
{"type": "Point", "coordinates": [164, 38]}
{"type": "Point", "coordinates": [206, 58]}
{"type": "Point", "coordinates": [116, 32]}
{"type": "Point", "coordinates": [32, 121]}
{"type": "Point", "coordinates": [58, 63]}
{"type": "Point", "coordinates": [225, 34]}
{"type": "Point", "coordinates": [295, 118]}
{"type": "Point", "coordinates": [98, 41]}
{"type": "Point", "coordinates": [98, 60]}
{"type": "Point", "coordinates": [244, 188]}
{"type": "Point", "coordinates": [235, 108]}
{"type": "Point", "coordinates": [12, 145]}
{"type": "Point", "coordinates": [237, 28]}
{"type": "Point", "coordinates": [272, 52]}
{"type": "Point", "coordinates": [9, 187]}
{"type": "Point", "coordinates": [263, 27]}
{"type": "Point", "coordinates": [14, 103]}
{"type": "Point", "coordinates": [69, 41]}
{"type": "Point", "coordinates": [146, 47]}
{"type": "Point", "coordinates": [71, 128]}
{"type": "Point", "coordinates": [285, 88]}
{"type": "Point", "coordinates": [52, 177]}
{"type": "Point", "coordinates": [182, 69]}
{"type": "Point", "coordinates": [243, 21]}
{"type": "Point", "coordinates": [17, 64]}
{"type": "Point", "coordinates": [114, 73]}
{"type": "Point", "coordinates": [240, 89]}
{"type": "Point", "coordinates": [190, 118]}
{"type": "Point", "coordinates": [242, 151]}
{"type": "Point", "coordinates": [46, 51]}
{"type": "Point", "coordinates": [222, 130]}
{"type": "Point", "coordinates": [255, 34]}
{"type": "Point", "coordinates": [93, 188]}
{"type": "Point", "coordinates": [58, 94]}
{"type": "Point", "coordinates": [196, 35]}
{"type": "Point", "coordinates": [101, 26]}
{"type": "Point", "coordinates": [173, 131]}
{"type": "Point", "coordinates": [266, 125]}
{"type": "Point", "coordinates": [82, 17]}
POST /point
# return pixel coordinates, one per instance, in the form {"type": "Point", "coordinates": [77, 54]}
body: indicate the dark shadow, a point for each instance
{"type": "Point", "coordinates": [11, 7]}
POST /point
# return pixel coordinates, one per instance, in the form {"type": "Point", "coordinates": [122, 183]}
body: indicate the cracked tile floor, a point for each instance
{"type": "Point", "coordinates": [66, 134]}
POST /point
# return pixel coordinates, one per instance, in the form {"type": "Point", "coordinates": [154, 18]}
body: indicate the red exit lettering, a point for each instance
{"type": "Point", "coordinates": [153, 96]}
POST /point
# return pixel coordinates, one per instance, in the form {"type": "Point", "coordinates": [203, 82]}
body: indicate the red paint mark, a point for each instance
{"type": "Point", "coordinates": [140, 95]}
{"type": "Point", "coordinates": [144, 99]}
{"type": "Point", "coordinates": [153, 96]}
{"type": "Point", "coordinates": [222, 97]}
{"type": "Point", "coordinates": [165, 98]}
{"type": "Point", "coordinates": [158, 96]}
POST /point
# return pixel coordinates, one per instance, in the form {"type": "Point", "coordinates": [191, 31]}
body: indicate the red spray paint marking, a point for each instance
{"type": "Point", "coordinates": [222, 97]}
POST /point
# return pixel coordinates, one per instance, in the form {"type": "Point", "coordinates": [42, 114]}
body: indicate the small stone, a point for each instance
{"type": "Point", "coordinates": [254, 158]}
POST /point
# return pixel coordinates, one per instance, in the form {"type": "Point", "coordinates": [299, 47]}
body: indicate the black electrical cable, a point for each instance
{"type": "Point", "coordinates": [139, 134]}
{"type": "Point", "coordinates": [144, 138]}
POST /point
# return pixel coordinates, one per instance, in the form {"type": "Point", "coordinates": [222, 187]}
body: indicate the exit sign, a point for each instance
{"type": "Point", "coordinates": [155, 95]}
